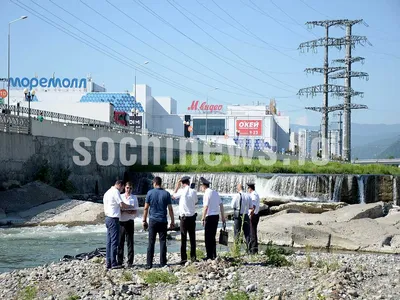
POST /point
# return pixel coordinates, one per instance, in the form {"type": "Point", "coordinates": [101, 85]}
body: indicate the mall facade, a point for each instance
{"type": "Point", "coordinates": [253, 126]}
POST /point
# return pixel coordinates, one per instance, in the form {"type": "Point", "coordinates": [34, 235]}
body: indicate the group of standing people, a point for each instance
{"type": "Point", "coordinates": [120, 211]}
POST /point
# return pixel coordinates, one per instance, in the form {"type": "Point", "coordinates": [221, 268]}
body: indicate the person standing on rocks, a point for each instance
{"type": "Point", "coordinates": [112, 209]}
{"type": "Point", "coordinates": [157, 201]}
{"type": "Point", "coordinates": [127, 225]}
{"type": "Point", "coordinates": [212, 204]}
{"type": "Point", "coordinates": [241, 204]}
{"type": "Point", "coordinates": [254, 217]}
{"type": "Point", "coordinates": [187, 198]}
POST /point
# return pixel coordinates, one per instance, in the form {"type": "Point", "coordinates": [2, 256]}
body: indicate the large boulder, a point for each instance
{"type": "Point", "coordinates": [309, 207]}
{"type": "Point", "coordinates": [28, 196]}
{"type": "Point", "coordinates": [85, 213]}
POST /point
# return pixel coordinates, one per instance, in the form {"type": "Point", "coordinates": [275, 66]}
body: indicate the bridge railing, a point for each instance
{"type": "Point", "coordinates": [14, 124]}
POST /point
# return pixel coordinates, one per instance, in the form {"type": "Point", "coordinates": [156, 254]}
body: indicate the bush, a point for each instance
{"type": "Point", "coordinates": [56, 177]}
{"type": "Point", "coordinates": [276, 256]}
{"type": "Point", "coordinates": [158, 276]}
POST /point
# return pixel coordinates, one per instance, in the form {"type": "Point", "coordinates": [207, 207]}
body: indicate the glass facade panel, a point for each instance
{"type": "Point", "coordinates": [214, 126]}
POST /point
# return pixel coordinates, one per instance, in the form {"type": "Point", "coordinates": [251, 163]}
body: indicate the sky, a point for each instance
{"type": "Point", "coordinates": [248, 49]}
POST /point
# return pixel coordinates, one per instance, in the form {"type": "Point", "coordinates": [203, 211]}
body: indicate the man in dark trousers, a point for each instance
{"type": "Point", "coordinates": [187, 198]}
{"type": "Point", "coordinates": [212, 204]}
{"type": "Point", "coordinates": [254, 217]}
{"type": "Point", "coordinates": [241, 204]}
{"type": "Point", "coordinates": [157, 200]}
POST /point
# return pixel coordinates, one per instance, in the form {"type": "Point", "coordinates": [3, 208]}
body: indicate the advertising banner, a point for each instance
{"type": "Point", "coordinates": [135, 122]}
{"type": "Point", "coordinates": [249, 127]}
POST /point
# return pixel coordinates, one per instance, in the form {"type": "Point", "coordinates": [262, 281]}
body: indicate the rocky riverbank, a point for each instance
{"type": "Point", "coordinates": [307, 276]}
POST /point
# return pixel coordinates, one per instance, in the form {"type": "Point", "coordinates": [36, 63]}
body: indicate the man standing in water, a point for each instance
{"type": "Point", "coordinates": [212, 204]}
{"type": "Point", "coordinates": [187, 215]}
{"type": "Point", "coordinates": [157, 200]}
{"type": "Point", "coordinates": [112, 209]}
{"type": "Point", "coordinates": [254, 217]}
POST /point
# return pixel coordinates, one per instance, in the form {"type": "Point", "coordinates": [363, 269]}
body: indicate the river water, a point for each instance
{"type": "Point", "coordinates": [25, 247]}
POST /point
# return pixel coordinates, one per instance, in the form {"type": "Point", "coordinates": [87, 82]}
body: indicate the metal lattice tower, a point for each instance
{"type": "Point", "coordinates": [345, 72]}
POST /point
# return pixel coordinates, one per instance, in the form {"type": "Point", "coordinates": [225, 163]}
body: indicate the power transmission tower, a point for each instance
{"type": "Point", "coordinates": [340, 133]}
{"type": "Point", "coordinates": [326, 88]}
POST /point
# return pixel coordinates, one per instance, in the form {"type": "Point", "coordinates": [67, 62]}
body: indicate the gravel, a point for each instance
{"type": "Point", "coordinates": [312, 275]}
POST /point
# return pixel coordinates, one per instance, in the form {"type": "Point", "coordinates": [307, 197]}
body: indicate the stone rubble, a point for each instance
{"type": "Point", "coordinates": [312, 275]}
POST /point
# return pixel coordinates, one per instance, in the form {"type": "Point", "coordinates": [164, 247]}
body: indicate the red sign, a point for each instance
{"type": "Point", "coordinates": [204, 106]}
{"type": "Point", "coordinates": [249, 127]}
{"type": "Point", "coordinates": [3, 93]}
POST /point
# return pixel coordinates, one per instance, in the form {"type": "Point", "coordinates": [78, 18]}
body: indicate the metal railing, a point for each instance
{"type": "Point", "coordinates": [14, 124]}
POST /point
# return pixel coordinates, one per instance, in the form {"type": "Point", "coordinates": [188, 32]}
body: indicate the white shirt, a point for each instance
{"type": "Point", "coordinates": [187, 201]}
{"type": "Point", "coordinates": [133, 201]}
{"type": "Point", "coordinates": [246, 202]}
{"type": "Point", "coordinates": [255, 198]}
{"type": "Point", "coordinates": [111, 200]}
{"type": "Point", "coordinates": [212, 200]}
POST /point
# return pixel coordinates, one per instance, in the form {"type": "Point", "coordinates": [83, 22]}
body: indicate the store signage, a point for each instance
{"type": "Point", "coordinates": [135, 121]}
{"type": "Point", "coordinates": [204, 106]}
{"type": "Point", "coordinates": [47, 83]}
{"type": "Point", "coordinates": [3, 93]}
{"type": "Point", "coordinates": [249, 127]}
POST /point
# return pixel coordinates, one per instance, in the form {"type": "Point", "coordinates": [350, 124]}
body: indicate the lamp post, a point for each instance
{"type": "Point", "coordinates": [9, 52]}
{"type": "Point", "coordinates": [135, 112]}
{"type": "Point", "coordinates": [29, 95]}
{"type": "Point", "coordinates": [213, 89]}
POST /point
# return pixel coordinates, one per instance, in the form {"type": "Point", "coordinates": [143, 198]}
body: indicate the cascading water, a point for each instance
{"type": "Point", "coordinates": [337, 190]}
{"type": "Point", "coordinates": [361, 189]}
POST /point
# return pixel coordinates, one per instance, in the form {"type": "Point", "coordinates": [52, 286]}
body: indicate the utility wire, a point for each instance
{"type": "Point", "coordinates": [310, 7]}
{"type": "Point", "coordinates": [229, 50]}
{"type": "Point", "coordinates": [95, 47]}
{"type": "Point", "coordinates": [253, 34]}
{"type": "Point", "coordinates": [111, 38]}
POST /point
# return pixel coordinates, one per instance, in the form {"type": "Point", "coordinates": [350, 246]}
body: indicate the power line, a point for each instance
{"type": "Point", "coordinates": [310, 7]}
{"type": "Point", "coordinates": [253, 34]}
{"type": "Point", "coordinates": [229, 50]}
{"type": "Point", "coordinates": [95, 47]}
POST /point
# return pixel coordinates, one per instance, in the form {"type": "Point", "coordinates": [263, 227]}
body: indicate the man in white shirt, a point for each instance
{"type": "Point", "coordinates": [254, 217]}
{"type": "Point", "coordinates": [212, 204]}
{"type": "Point", "coordinates": [112, 209]}
{"type": "Point", "coordinates": [241, 204]}
{"type": "Point", "coordinates": [187, 198]}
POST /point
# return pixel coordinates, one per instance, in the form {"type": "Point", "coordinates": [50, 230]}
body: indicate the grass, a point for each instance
{"type": "Point", "coordinates": [327, 266]}
{"type": "Point", "coordinates": [198, 163]}
{"type": "Point", "coordinates": [199, 254]}
{"type": "Point", "coordinates": [73, 297]}
{"type": "Point", "coordinates": [276, 256]}
{"type": "Point", "coordinates": [127, 276]}
{"type": "Point", "coordinates": [28, 293]}
{"type": "Point", "coordinates": [236, 295]}
{"type": "Point", "coordinates": [158, 276]}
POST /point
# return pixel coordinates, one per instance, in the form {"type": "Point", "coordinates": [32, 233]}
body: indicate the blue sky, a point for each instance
{"type": "Point", "coordinates": [246, 48]}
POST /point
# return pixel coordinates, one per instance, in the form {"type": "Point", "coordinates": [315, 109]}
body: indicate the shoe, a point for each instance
{"type": "Point", "coordinates": [116, 267]}
{"type": "Point", "coordinates": [182, 262]}
{"type": "Point", "coordinates": [148, 267]}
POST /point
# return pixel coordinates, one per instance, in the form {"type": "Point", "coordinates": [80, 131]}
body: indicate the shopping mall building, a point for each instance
{"type": "Point", "coordinates": [254, 126]}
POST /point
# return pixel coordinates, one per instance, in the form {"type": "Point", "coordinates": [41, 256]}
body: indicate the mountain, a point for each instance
{"type": "Point", "coordinates": [368, 140]}
{"type": "Point", "coordinates": [392, 151]}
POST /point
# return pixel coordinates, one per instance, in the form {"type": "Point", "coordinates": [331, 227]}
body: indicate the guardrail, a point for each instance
{"type": "Point", "coordinates": [14, 124]}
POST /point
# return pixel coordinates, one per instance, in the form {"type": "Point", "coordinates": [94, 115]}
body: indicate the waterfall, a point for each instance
{"type": "Point", "coordinates": [295, 187]}
{"type": "Point", "coordinates": [337, 190]}
{"type": "Point", "coordinates": [361, 188]}
{"type": "Point", "coordinates": [396, 187]}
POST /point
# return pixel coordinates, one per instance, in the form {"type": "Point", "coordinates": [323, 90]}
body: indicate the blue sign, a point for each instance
{"type": "Point", "coordinates": [48, 83]}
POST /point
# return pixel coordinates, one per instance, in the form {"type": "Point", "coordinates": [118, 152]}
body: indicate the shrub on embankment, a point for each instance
{"type": "Point", "coordinates": [198, 163]}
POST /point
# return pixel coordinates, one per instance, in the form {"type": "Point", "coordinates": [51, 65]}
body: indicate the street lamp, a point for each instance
{"type": "Point", "coordinates": [29, 95]}
{"type": "Point", "coordinates": [213, 89]}
{"type": "Point", "coordinates": [9, 51]}
{"type": "Point", "coordinates": [135, 112]}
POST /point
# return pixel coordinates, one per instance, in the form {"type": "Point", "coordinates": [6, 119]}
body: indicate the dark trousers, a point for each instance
{"type": "Point", "coordinates": [253, 234]}
{"type": "Point", "coordinates": [210, 230]}
{"type": "Point", "coordinates": [161, 229]}
{"type": "Point", "coordinates": [245, 227]}
{"type": "Point", "coordinates": [188, 225]}
{"type": "Point", "coordinates": [126, 230]}
{"type": "Point", "coordinates": [112, 225]}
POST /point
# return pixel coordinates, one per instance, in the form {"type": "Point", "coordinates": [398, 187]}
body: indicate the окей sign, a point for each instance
{"type": "Point", "coordinates": [44, 82]}
{"type": "Point", "coordinates": [204, 106]}
{"type": "Point", "coordinates": [249, 127]}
